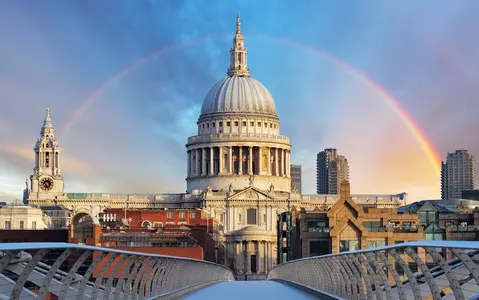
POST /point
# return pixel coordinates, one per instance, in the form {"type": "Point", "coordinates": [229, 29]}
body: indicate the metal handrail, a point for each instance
{"type": "Point", "coordinates": [35, 270]}
{"type": "Point", "coordinates": [374, 273]}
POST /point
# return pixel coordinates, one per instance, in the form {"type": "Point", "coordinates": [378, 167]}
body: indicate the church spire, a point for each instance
{"type": "Point", "coordinates": [47, 128]}
{"type": "Point", "coordinates": [238, 64]}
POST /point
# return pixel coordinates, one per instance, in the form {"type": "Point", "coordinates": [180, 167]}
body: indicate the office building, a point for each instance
{"type": "Point", "coordinates": [458, 174]}
{"type": "Point", "coordinates": [296, 178]}
{"type": "Point", "coordinates": [331, 170]}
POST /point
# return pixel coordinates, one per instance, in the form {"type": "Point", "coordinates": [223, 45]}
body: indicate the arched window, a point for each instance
{"type": "Point", "coordinates": [146, 224]}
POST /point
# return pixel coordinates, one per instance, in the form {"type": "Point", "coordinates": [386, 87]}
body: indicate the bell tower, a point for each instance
{"type": "Point", "coordinates": [47, 178]}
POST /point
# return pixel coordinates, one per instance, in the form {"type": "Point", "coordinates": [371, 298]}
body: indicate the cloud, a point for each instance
{"type": "Point", "coordinates": [132, 136]}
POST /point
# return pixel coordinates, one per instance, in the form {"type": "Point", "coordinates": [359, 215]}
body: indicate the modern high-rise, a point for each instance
{"type": "Point", "coordinates": [331, 170]}
{"type": "Point", "coordinates": [458, 174]}
{"type": "Point", "coordinates": [296, 178]}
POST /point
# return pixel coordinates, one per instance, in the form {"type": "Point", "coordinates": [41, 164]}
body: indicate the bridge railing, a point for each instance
{"type": "Point", "coordinates": [71, 271]}
{"type": "Point", "coordinates": [413, 270]}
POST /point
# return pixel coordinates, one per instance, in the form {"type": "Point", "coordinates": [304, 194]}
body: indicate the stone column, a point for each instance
{"type": "Point", "coordinates": [238, 245]}
{"type": "Point", "coordinates": [197, 163]}
{"type": "Point", "coordinates": [258, 258]}
{"type": "Point", "coordinates": [240, 160]}
{"type": "Point", "coordinates": [188, 155]}
{"type": "Point", "coordinates": [233, 219]}
{"type": "Point", "coordinates": [266, 257]}
{"type": "Point", "coordinates": [269, 161]}
{"type": "Point", "coordinates": [248, 259]}
{"type": "Point", "coordinates": [203, 161]}
{"type": "Point", "coordinates": [212, 161]}
{"type": "Point", "coordinates": [230, 160]}
{"type": "Point", "coordinates": [220, 160]}
{"type": "Point", "coordinates": [260, 161]}
{"type": "Point", "coordinates": [282, 163]}
{"type": "Point", "coordinates": [272, 258]}
{"type": "Point", "coordinates": [276, 170]}
{"type": "Point", "coordinates": [288, 164]}
{"type": "Point", "coordinates": [250, 161]}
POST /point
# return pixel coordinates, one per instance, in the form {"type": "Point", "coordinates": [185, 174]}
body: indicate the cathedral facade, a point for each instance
{"type": "Point", "coordinates": [238, 171]}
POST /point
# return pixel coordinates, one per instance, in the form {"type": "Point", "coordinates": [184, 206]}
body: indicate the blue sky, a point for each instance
{"type": "Point", "coordinates": [131, 137]}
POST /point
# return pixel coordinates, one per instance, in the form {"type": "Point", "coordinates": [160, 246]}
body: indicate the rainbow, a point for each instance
{"type": "Point", "coordinates": [78, 112]}
{"type": "Point", "coordinates": [426, 145]}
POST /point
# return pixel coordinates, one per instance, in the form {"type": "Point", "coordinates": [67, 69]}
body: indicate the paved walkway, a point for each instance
{"type": "Point", "coordinates": [232, 290]}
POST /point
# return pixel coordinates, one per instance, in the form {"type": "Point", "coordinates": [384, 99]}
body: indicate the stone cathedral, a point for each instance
{"type": "Point", "coordinates": [238, 170]}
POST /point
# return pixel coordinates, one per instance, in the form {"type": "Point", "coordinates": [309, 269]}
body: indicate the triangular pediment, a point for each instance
{"type": "Point", "coordinates": [347, 203]}
{"type": "Point", "coordinates": [427, 207]}
{"type": "Point", "coordinates": [252, 193]}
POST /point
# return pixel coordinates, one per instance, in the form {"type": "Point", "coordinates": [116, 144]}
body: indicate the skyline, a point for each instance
{"type": "Point", "coordinates": [108, 84]}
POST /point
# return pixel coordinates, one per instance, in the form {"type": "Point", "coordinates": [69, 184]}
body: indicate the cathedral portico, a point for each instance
{"type": "Point", "coordinates": [251, 252]}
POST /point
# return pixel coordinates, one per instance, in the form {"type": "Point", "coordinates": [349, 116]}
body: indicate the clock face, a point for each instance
{"type": "Point", "coordinates": [46, 184]}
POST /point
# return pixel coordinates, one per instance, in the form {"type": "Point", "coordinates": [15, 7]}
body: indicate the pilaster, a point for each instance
{"type": "Point", "coordinates": [250, 160]}
{"type": "Point", "coordinates": [269, 161]}
{"type": "Point", "coordinates": [212, 152]}
{"type": "Point", "coordinates": [240, 160]}
{"type": "Point", "coordinates": [230, 160]}
{"type": "Point", "coordinates": [203, 161]}
{"type": "Point", "coordinates": [276, 171]}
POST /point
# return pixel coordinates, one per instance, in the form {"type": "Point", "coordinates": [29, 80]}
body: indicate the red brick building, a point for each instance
{"type": "Point", "coordinates": [185, 233]}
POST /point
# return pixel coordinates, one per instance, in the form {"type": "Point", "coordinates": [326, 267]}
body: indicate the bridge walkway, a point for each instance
{"type": "Point", "coordinates": [260, 289]}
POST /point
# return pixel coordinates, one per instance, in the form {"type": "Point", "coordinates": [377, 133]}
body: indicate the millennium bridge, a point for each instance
{"type": "Point", "coordinates": [414, 270]}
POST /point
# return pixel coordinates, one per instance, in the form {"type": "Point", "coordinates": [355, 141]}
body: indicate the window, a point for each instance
{"type": "Point", "coordinates": [266, 125]}
{"type": "Point", "coordinates": [317, 226]}
{"type": "Point", "coordinates": [372, 226]}
{"type": "Point", "coordinates": [8, 225]}
{"type": "Point", "coordinates": [427, 217]}
{"type": "Point", "coordinates": [270, 125]}
{"type": "Point", "coordinates": [169, 215]}
{"type": "Point", "coordinates": [251, 216]}
{"type": "Point", "coordinates": [318, 248]}
{"type": "Point", "coordinates": [213, 124]}
{"type": "Point", "coordinates": [348, 245]}
{"type": "Point", "coordinates": [376, 244]}
{"type": "Point", "coordinates": [228, 123]}
{"type": "Point", "coordinates": [22, 225]}
{"type": "Point", "coordinates": [207, 125]}
{"type": "Point", "coordinates": [192, 215]}
{"type": "Point", "coordinates": [34, 225]}
{"type": "Point", "coordinates": [203, 126]}
{"type": "Point", "coordinates": [182, 214]}
{"type": "Point", "coordinates": [236, 123]}
{"type": "Point", "coordinates": [259, 124]}
{"type": "Point", "coordinates": [220, 124]}
{"type": "Point", "coordinates": [251, 123]}
{"type": "Point", "coordinates": [244, 123]}
{"type": "Point", "coordinates": [274, 126]}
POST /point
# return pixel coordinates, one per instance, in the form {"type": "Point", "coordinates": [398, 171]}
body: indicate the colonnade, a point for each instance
{"type": "Point", "coordinates": [260, 250]}
{"type": "Point", "coordinates": [47, 159]}
{"type": "Point", "coordinates": [239, 160]}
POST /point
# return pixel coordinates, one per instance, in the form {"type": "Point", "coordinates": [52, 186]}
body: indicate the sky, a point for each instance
{"type": "Point", "coordinates": [125, 81]}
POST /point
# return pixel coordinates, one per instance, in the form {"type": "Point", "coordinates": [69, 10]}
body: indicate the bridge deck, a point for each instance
{"type": "Point", "coordinates": [248, 290]}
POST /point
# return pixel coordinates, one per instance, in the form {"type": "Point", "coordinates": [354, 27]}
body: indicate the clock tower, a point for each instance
{"type": "Point", "coordinates": [47, 178]}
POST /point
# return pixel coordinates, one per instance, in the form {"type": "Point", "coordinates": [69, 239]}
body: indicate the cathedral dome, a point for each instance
{"type": "Point", "coordinates": [238, 94]}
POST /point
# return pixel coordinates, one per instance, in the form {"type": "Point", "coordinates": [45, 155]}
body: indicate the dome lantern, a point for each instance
{"type": "Point", "coordinates": [238, 54]}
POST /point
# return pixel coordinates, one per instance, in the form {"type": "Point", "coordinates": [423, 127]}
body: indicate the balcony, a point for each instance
{"type": "Point", "coordinates": [220, 137]}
